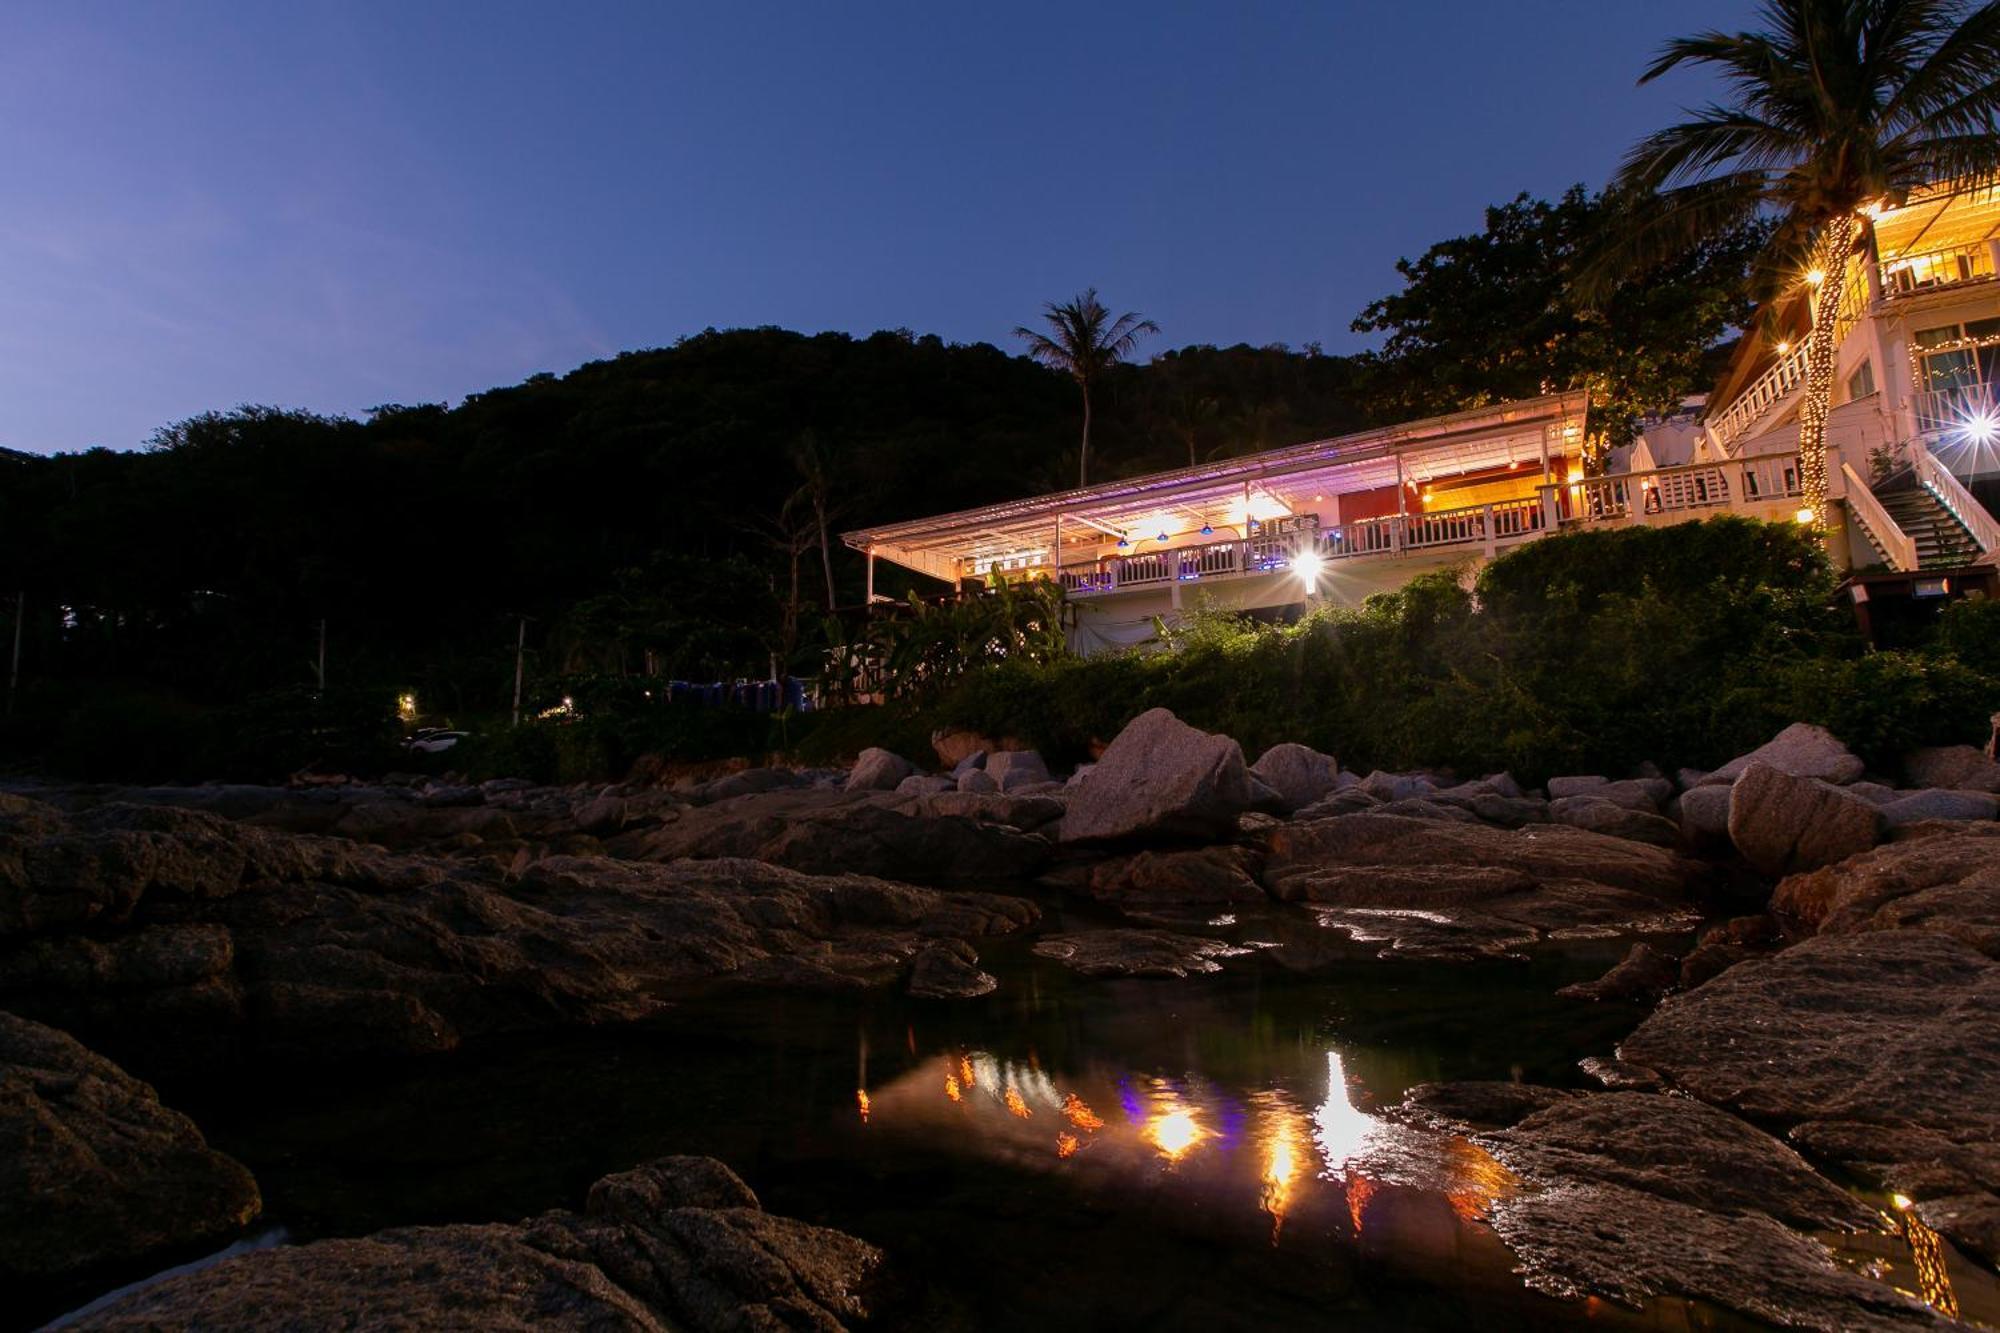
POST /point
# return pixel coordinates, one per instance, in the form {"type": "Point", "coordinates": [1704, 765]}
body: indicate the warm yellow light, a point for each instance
{"type": "Point", "coordinates": [1902, 1202]}
{"type": "Point", "coordinates": [1575, 473]}
{"type": "Point", "coordinates": [1872, 209]}
{"type": "Point", "coordinates": [406, 707]}
{"type": "Point", "coordinates": [1815, 276]}
{"type": "Point", "coordinates": [1784, 346]}
{"type": "Point", "coordinates": [1805, 515]}
{"type": "Point", "coordinates": [1174, 1133]}
{"type": "Point", "coordinates": [1307, 565]}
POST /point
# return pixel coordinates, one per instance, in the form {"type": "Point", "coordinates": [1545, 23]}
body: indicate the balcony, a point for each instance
{"type": "Point", "coordinates": [1761, 487]}
{"type": "Point", "coordinates": [1933, 270]}
{"type": "Point", "coordinates": [1958, 414]}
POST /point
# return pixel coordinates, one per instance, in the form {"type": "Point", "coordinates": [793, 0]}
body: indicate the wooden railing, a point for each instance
{"type": "Point", "coordinates": [1897, 546]}
{"type": "Point", "coordinates": [1908, 275]}
{"type": "Point", "coordinates": [1941, 482]}
{"type": "Point", "coordinates": [1957, 409]}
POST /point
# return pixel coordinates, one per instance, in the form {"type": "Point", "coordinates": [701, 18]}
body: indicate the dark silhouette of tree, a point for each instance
{"type": "Point", "coordinates": [1083, 341]}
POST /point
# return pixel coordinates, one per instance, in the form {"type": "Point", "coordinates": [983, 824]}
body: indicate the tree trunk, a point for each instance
{"type": "Point", "coordinates": [1083, 454]}
{"type": "Point", "coordinates": [1822, 352]}
{"type": "Point", "coordinates": [825, 549]}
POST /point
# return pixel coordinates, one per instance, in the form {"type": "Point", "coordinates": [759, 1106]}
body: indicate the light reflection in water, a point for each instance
{"type": "Point", "coordinates": [1174, 1132]}
{"type": "Point", "coordinates": [1015, 1104]}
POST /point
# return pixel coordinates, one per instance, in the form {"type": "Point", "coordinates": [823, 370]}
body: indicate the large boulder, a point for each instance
{"type": "Point", "coordinates": [1160, 778]}
{"type": "Point", "coordinates": [1801, 751]}
{"type": "Point", "coordinates": [1012, 770]}
{"type": "Point", "coordinates": [1206, 875]}
{"type": "Point", "coordinates": [677, 1243]}
{"type": "Point", "coordinates": [1781, 823]}
{"type": "Point", "coordinates": [1959, 767]}
{"type": "Point", "coordinates": [1136, 953]}
{"type": "Point", "coordinates": [1599, 815]}
{"type": "Point", "coordinates": [1298, 773]}
{"type": "Point", "coordinates": [879, 770]}
{"type": "Point", "coordinates": [1641, 977]}
{"type": "Point", "coordinates": [94, 1171]}
{"type": "Point", "coordinates": [1939, 803]}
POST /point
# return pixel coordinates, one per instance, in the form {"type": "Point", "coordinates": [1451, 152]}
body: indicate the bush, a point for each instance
{"type": "Point", "coordinates": [1970, 631]}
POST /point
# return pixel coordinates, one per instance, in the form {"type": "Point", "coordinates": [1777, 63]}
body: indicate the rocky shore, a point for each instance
{"type": "Point", "coordinates": [1840, 1014]}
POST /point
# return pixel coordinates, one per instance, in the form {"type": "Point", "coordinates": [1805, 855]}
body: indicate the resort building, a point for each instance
{"type": "Point", "coordinates": [1914, 434]}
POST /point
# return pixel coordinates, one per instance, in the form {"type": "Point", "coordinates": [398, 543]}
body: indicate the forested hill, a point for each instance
{"type": "Point", "coordinates": [655, 500]}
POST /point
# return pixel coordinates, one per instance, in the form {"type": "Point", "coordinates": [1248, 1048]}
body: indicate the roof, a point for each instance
{"type": "Point", "coordinates": [1216, 494]}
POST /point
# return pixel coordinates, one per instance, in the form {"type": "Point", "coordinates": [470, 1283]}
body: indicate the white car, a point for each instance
{"type": "Point", "coordinates": [433, 740]}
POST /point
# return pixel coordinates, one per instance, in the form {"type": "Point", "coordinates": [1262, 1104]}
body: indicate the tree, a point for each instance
{"type": "Point", "coordinates": [1838, 107]}
{"type": "Point", "coordinates": [1497, 315]}
{"type": "Point", "coordinates": [1083, 342]}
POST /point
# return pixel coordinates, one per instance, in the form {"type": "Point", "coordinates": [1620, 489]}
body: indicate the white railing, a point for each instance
{"type": "Point", "coordinates": [1957, 411]}
{"type": "Point", "coordinates": [1756, 484]}
{"type": "Point", "coordinates": [1897, 546]}
{"type": "Point", "coordinates": [1944, 484]}
{"type": "Point", "coordinates": [1907, 275]}
{"type": "Point", "coordinates": [1777, 383]}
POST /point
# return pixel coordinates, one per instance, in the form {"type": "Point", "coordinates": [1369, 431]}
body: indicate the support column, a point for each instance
{"type": "Point", "coordinates": [870, 599]}
{"type": "Point", "coordinates": [1401, 506]}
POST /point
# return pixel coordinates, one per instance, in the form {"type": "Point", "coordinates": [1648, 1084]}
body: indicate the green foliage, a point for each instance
{"type": "Point", "coordinates": [1587, 652]}
{"type": "Point", "coordinates": [1496, 315]}
{"type": "Point", "coordinates": [1970, 631]}
{"type": "Point", "coordinates": [921, 650]}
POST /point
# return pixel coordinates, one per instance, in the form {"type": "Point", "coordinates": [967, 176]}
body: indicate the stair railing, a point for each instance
{"type": "Point", "coordinates": [1895, 544]}
{"type": "Point", "coordinates": [1943, 483]}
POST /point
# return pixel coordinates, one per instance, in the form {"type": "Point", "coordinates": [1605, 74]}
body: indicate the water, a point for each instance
{"type": "Point", "coordinates": [1064, 1153]}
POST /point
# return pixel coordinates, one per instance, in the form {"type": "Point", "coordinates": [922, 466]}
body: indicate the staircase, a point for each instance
{"type": "Point", "coordinates": [1942, 541]}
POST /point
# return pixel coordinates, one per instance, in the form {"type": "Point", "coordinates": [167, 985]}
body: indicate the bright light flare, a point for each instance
{"type": "Point", "coordinates": [1307, 565]}
{"type": "Point", "coordinates": [1815, 276]}
{"type": "Point", "coordinates": [1805, 516]}
{"type": "Point", "coordinates": [1174, 1133]}
{"type": "Point", "coordinates": [1982, 426]}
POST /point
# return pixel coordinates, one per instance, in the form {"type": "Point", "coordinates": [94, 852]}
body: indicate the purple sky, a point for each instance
{"type": "Point", "coordinates": [334, 206]}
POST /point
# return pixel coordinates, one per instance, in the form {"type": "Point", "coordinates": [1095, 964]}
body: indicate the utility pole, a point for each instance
{"type": "Point", "coordinates": [14, 673]}
{"type": "Point", "coordinates": [319, 669]}
{"type": "Point", "coordinates": [520, 651]}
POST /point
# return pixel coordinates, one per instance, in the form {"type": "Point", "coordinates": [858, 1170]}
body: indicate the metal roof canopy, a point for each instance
{"type": "Point", "coordinates": [1477, 439]}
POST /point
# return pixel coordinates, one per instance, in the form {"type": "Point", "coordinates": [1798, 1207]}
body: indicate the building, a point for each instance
{"type": "Point", "coordinates": [1914, 434]}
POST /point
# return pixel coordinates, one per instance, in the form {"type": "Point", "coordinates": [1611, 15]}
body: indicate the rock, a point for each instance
{"type": "Point", "coordinates": [1135, 953]}
{"type": "Point", "coordinates": [1416, 807]}
{"type": "Point", "coordinates": [1800, 751]}
{"type": "Point", "coordinates": [1642, 977]}
{"type": "Point", "coordinates": [1947, 881]}
{"type": "Point", "coordinates": [949, 970]}
{"type": "Point", "coordinates": [1958, 767]}
{"type": "Point", "coordinates": [1599, 815]}
{"type": "Point", "coordinates": [1478, 1105]}
{"type": "Point", "coordinates": [1014, 769]}
{"type": "Point", "coordinates": [94, 1171]}
{"type": "Point", "coordinates": [1781, 823]}
{"type": "Point", "coordinates": [1150, 879]}
{"type": "Point", "coordinates": [747, 783]}
{"type": "Point", "coordinates": [1559, 788]}
{"type": "Point", "coordinates": [677, 1243]}
{"type": "Point", "coordinates": [1298, 774]}
{"type": "Point", "coordinates": [954, 745]}
{"type": "Point", "coordinates": [1433, 888]}
{"type": "Point", "coordinates": [975, 760]}
{"type": "Point", "coordinates": [601, 817]}
{"type": "Point", "coordinates": [1939, 803]}
{"type": "Point", "coordinates": [821, 831]}
{"type": "Point", "coordinates": [1021, 810]}
{"type": "Point", "coordinates": [1397, 786]}
{"type": "Point", "coordinates": [1891, 1029]}
{"type": "Point", "coordinates": [1704, 818]}
{"type": "Point", "coordinates": [1160, 778]}
{"type": "Point", "coordinates": [1632, 1195]}
{"type": "Point", "coordinates": [878, 770]}
{"type": "Point", "coordinates": [978, 782]}
{"type": "Point", "coordinates": [1346, 801]}
{"type": "Point", "coordinates": [925, 784]}
{"type": "Point", "coordinates": [374, 954]}
{"type": "Point", "coordinates": [1726, 945]}
{"type": "Point", "coordinates": [1874, 791]}
{"type": "Point", "coordinates": [1484, 801]}
{"type": "Point", "coordinates": [1503, 784]}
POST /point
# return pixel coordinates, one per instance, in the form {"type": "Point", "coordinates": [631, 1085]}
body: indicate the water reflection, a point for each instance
{"type": "Point", "coordinates": [1292, 1147]}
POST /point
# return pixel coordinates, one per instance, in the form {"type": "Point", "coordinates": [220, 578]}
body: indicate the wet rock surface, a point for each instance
{"type": "Point", "coordinates": [94, 1171]}
{"type": "Point", "coordinates": [1439, 889]}
{"type": "Point", "coordinates": [1135, 953]}
{"type": "Point", "coordinates": [676, 1243]}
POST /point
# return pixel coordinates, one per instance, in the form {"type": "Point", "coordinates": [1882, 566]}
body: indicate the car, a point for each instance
{"type": "Point", "coordinates": [433, 740]}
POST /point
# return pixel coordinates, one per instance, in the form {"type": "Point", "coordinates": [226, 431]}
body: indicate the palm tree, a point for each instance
{"type": "Point", "coordinates": [1839, 108]}
{"type": "Point", "coordinates": [1083, 342]}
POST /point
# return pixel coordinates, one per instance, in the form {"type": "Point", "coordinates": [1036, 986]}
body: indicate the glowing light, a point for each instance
{"type": "Point", "coordinates": [1342, 1130]}
{"type": "Point", "coordinates": [1902, 1202]}
{"type": "Point", "coordinates": [1078, 1113]}
{"type": "Point", "coordinates": [1982, 426]}
{"type": "Point", "coordinates": [1263, 507]}
{"type": "Point", "coordinates": [1015, 1104]}
{"type": "Point", "coordinates": [406, 707]}
{"type": "Point", "coordinates": [951, 1089]}
{"type": "Point", "coordinates": [1576, 472]}
{"type": "Point", "coordinates": [1307, 565]}
{"type": "Point", "coordinates": [1174, 1133]}
{"type": "Point", "coordinates": [965, 1074]}
{"type": "Point", "coordinates": [1805, 515]}
{"type": "Point", "coordinates": [1815, 276]}
{"type": "Point", "coordinates": [861, 1101]}
{"type": "Point", "coordinates": [1784, 346]}
{"type": "Point", "coordinates": [1284, 1157]}
{"type": "Point", "coordinates": [1066, 1145]}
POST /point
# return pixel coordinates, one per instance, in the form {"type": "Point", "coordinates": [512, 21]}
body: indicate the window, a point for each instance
{"type": "Point", "coordinates": [1862, 382]}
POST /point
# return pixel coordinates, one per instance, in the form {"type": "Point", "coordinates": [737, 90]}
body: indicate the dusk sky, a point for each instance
{"type": "Point", "coordinates": [338, 206]}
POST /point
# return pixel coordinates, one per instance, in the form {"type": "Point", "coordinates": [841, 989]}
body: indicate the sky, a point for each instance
{"type": "Point", "coordinates": [336, 206]}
